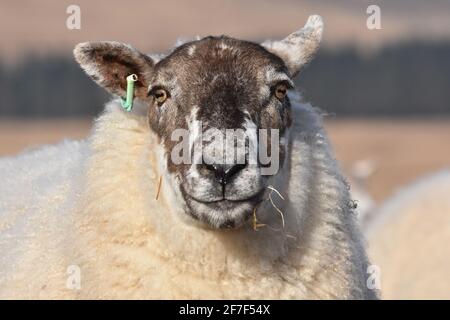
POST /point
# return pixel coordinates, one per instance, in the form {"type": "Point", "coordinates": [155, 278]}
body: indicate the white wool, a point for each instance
{"type": "Point", "coordinates": [364, 204]}
{"type": "Point", "coordinates": [409, 239]}
{"type": "Point", "coordinates": [37, 197]}
{"type": "Point", "coordinates": [93, 204]}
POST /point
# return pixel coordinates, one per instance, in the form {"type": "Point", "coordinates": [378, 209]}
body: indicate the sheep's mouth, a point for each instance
{"type": "Point", "coordinates": [225, 201]}
{"type": "Point", "coordinates": [223, 213]}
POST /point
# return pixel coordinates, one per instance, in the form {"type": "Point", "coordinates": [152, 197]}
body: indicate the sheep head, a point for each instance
{"type": "Point", "coordinates": [213, 89]}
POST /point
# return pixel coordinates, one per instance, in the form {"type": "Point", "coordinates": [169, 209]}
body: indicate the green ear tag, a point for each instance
{"type": "Point", "coordinates": [127, 104]}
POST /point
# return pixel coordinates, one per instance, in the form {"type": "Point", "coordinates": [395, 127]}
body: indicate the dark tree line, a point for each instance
{"type": "Point", "coordinates": [409, 79]}
{"type": "Point", "coordinates": [48, 87]}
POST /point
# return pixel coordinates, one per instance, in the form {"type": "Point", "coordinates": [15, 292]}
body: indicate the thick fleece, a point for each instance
{"type": "Point", "coordinates": [92, 204]}
{"type": "Point", "coordinates": [409, 239]}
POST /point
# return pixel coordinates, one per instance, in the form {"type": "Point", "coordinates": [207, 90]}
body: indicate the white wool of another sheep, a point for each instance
{"type": "Point", "coordinates": [91, 207]}
{"type": "Point", "coordinates": [409, 237]}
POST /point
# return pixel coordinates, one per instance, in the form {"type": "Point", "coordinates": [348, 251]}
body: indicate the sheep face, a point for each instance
{"type": "Point", "coordinates": [220, 109]}
{"type": "Point", "coordinates": [219, 91]}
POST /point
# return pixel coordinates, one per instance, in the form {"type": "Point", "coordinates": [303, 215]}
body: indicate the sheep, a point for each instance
{"type": "Point", "coordinates": [113, 217]}
{"type": "Point", "coordinates": [408, 239]}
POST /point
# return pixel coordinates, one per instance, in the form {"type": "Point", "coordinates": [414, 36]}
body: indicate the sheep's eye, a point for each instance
{"type": "Point", "coordinates": [280, 91]}
{"type": "Point", "coordinates": [160, 96]}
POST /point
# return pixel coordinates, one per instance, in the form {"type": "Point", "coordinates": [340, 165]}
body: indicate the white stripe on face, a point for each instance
{"type": "Point", "coordinates": [195, 136]}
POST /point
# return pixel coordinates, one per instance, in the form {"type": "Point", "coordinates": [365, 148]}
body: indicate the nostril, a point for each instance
{"type": "Point", "coordinates": [234, 170]}
{"type": "Point", "coordinates": [218, 172]}
{"type": "Point", "coordinates": [223, 173]}
{"type": "Point", "coordinates": [210, 167]}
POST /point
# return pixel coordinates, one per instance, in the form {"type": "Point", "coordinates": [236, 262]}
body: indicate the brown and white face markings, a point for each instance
{"type": "Point", "coordinates": [212, 85]}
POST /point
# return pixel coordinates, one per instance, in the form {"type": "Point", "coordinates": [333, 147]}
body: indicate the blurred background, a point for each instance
{"type": "Point", "coordinates": [386, 92]}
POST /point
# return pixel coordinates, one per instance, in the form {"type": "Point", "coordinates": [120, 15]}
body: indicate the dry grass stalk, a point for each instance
{"type": "Point", "coordinates": [256, 225]}
{"type": "Point", "coordinates": [159, 188]}
{"type": "Point", "coordinates": [272, 189]}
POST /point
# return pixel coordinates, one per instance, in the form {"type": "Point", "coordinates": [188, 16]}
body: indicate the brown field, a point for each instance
{"type": "Point", "coordinates": [402, 150]}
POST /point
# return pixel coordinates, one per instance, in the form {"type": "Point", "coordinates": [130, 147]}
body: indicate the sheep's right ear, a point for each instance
{"type": "Point", "coordinates": [109, 63]}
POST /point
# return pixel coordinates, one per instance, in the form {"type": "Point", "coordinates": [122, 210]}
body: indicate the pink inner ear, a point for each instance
{"type": "Point", "coordinates": [109, 63]}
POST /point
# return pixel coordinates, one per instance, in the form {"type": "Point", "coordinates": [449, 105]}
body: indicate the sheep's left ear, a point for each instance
{"type": "Point", "coordinates": [109, 63]}
{"type": "Point", "coordinates": [298, 48]}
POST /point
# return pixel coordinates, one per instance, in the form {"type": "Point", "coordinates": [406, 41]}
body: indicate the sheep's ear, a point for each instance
{"type": "Point", "coordinates": [298, 48]}
{"type": "Point", "coordinates": [109, 63]}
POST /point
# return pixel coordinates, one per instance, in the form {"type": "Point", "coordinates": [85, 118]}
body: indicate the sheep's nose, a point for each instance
{"type": "Point", "coordinates": [223, 172]}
